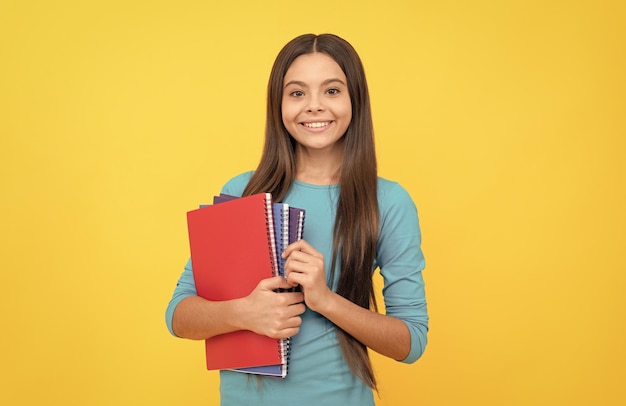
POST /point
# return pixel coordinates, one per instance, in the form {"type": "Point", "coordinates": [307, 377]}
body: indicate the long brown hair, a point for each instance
{"type": "Point", "coordinates": [356, 224]}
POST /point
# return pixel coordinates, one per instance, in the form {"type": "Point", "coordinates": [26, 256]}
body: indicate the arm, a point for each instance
{"type": "Point", "coordinates": [263, 311]}
{"type": "Point", "coordinates": [402, 332]}
{"type": "Point", "coordinates": [191, 316]}
{"type": "Point", "coordinates": [384, 334]}
{"type": "Point", "coordinates": [197, 318]}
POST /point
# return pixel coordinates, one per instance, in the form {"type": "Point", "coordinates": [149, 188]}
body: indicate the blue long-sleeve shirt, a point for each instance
{"type": "Point", "coordinates": [318, 373]}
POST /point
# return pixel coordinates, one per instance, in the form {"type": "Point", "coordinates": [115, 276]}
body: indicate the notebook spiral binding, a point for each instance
{"type": "Point", "coordinates": [269, 221]}
{"type": "Point", "coordinates": [283, 353]}
{"type": "Point", "coordinates": [284, 343]}
{"type": "Point", "coordinates": [301, 215]}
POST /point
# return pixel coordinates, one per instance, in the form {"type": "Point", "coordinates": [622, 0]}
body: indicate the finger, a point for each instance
{"type": "Point", "coordinates": [287, 328]}
{"type": "Point", "coordinates": [286, 333]}
{"type": "Point", "coordinates": [291, 298]}
{"type": "Point", "coordinates": [273, 283]}
{"type": "Point", "coordinates": [295, 320]}
{"type": "Point", "coordinates": [296, 310]}
{"type": "Point", "coordinates": [291, 248]}
{"type": "Point", "coordinates": [297, 255]}
{"type": "Point", "coordinates": [299, 262]}
{"type": "Point", "coordinates": [300, 245]}
{"type": "Point", "coordinates": [297, 278]}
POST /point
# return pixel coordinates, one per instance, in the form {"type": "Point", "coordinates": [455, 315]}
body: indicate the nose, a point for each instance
{"type": "Point", "coordinates": [314, 104]}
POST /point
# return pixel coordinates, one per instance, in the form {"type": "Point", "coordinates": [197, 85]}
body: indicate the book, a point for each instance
{"type": "Point", "coordinates": [217, 235]}
{"type": "Point", "coordinates": [282, 226]}
{"type": "Point", "coordinates": [291, 232]}
{"type": "Point", "coordinates": [296, 217]}
{"type": "Point", "coordinates": [296, 228]}
{"type": "Point", "coordinates": [296, 224]}
{"type": "Point", "coordinates": [281, 216]}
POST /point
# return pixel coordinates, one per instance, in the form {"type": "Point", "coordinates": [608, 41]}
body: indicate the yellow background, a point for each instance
{"type": "Point", "coordinates": [504, 120]}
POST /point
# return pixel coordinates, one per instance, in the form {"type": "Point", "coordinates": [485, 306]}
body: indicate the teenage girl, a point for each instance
{"type": "Point", "coordinates": [319, 156]}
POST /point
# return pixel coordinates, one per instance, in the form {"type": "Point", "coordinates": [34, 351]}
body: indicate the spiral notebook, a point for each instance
{"type": "Point", "coordinates": [288, 228]}
{"type": "Point", "coordinates": [217, 234]}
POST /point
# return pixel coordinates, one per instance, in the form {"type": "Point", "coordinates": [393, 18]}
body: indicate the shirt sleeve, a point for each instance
{"type": "Point", "coordinates": [186, 285]}
{"type": "Point", "coordinates": [401, 261]}
{"type": "Point", "coordinates": [184, 288]}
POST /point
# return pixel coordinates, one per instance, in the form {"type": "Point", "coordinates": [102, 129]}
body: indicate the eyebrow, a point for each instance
{"type": "Point", "coordinates": [324, 83]}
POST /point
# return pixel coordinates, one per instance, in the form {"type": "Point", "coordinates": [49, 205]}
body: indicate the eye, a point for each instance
{"type": "Point", "coordinates": [333, 91]}
{"type": "Point", "coordinates": [297, 93]}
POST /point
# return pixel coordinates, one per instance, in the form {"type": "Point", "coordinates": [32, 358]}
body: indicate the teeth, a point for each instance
{"type": "Point", "coordinates": [317, 125]}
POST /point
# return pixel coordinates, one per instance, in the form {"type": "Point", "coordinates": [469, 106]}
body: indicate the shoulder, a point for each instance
{"type": "Point", "coordinates": [395, 204]}
{"type": "Point", "coordinates": [236, 185]}
{"type": "Point", "coordinates": [391, 193]}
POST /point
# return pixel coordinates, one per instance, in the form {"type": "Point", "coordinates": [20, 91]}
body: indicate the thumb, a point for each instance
{"type": "Point", "coordinates": [276, 282]}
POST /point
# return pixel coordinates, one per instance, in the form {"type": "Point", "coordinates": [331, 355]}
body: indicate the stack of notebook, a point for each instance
{"type": "Point", "coordinates": [235, 243]}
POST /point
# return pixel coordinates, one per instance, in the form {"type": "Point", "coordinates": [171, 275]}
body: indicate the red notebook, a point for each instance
{"type": "Point", "coordinates": [233, 248]}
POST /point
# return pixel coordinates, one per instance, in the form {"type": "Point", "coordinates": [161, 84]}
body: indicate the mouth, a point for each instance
{"type": "Point", "coordinates": [317, 124]}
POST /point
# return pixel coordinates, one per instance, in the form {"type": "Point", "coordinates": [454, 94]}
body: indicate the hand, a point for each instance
{"type": "Point", "coordinates": [304, 266]}
{"type": "Point", "coordinates": [271, 313]}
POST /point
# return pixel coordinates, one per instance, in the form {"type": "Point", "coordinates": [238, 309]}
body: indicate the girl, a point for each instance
{"type": "Point", "coordinates": [319, 155]}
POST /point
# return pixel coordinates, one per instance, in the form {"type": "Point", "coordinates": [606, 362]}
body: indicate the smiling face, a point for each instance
{"type": "Point", "coordinates": [316, 106]}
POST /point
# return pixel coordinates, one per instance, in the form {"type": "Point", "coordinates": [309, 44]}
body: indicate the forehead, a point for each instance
{"type": "Point", "coordinates": [314, 67]}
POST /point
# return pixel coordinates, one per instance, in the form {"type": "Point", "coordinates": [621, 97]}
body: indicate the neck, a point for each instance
{"type": "Point", "coordinates": [321, 168]}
